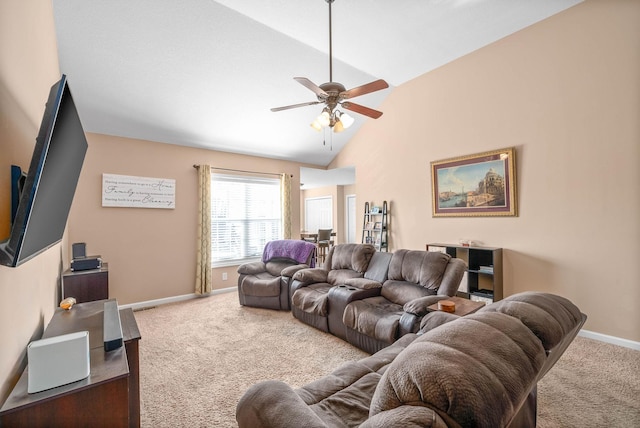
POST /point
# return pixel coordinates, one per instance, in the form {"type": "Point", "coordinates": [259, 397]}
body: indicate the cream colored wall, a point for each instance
{"type": "Point", "coordinates": [564, 92]}
{"type": "Point", "coordinates": [151, 252]}
{"type": "Point", "coordinates": [28, 68]}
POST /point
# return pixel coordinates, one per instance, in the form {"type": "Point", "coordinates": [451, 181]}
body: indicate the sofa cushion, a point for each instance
{"type": "Point", "coordinates": [375, 317]}
{"type": "Point", "coordinates": [343, 397]}
{"type": "Point", "coordinates": [341, 276]}
{"type": "Point", "coordinates": [251, 268]}
{"type": "Point", "coordinates": [452, 369]}
{"type": "Point", "coordinates": [351, 256]}
{"type": "Point", "coordinates": [378, 267]}
{"type": "Point", "coordinates": [311, 275]}
{"type": "Point", "coordinates": [425, 268]}
{"type": "Point", "coordinates": [401, 292]}
{"type": "Point", "coordinates": [289, 271]}
{"type": "Point", "coordinates": [549, 316]}
{"type": "Point", "coordinates": [436, 319]}
{"type": "Point", "coordinates": [275, 266]}
{"type": "Point", "coordinates": [363, 283]}
{"type": "Point", "coordinates": [312, 299]}
{"type": "Point", "coordinates": [406, 417]}
{"type": "Point", "coordinates": [350, 405]}
{"type": "Point", "coordinates": [262, 285]}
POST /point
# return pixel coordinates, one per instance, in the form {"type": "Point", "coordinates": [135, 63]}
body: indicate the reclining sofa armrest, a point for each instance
{"type": "Point", "coordinates": [418, 307]}
{"type": "Point", "coordinates": [414, 311]}
{"type": "Point", "coordinates": [452, 276]}
{"type": "Point", "coordinates": [410, 417]}
{"type": "Point", "coordinates": [362, 283]}
{"type": "Point", "coordinates": [291, 270]}
{"type": "Point", "coordinates": [311, 275]}
{"type": "Point", "coordinates": [272, 404]}
{"type": "Point", "coordinates": [252, 268]}
{"type": "Point", "coordinates": [339, 297]}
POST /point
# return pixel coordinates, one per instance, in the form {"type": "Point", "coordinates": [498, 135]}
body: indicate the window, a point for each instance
{"type": "Point", "coordinates": [245, 215]}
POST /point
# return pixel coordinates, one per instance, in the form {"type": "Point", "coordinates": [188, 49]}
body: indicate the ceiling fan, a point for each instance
{"type": "Point", "coordinates": [333, 94]}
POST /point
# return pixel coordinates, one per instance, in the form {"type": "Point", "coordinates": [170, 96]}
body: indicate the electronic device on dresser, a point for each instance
{"type": "Point", "coordinates": [86, 263]}
{"type": "Point", "coordinates": [80, 259]}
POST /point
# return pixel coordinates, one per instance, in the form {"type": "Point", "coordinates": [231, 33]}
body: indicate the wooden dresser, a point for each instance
{"type": "Point", "coordinates": [109, 397]}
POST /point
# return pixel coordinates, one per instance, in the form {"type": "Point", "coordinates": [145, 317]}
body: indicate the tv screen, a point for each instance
{"type": "Point", "coordinates": [51, 181]}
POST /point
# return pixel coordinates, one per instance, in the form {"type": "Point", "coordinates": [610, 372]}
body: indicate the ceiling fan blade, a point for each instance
{"type": "Point", "coordinates": [312, 86]}
{"type": "Point", "coordinates": [295, 106]}
{"type": "Point", "coordinates": [365, 89]}
{"type": "Point", "coordinates": [362, 110]}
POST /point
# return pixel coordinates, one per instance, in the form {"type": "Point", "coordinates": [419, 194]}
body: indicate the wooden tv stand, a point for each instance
{"type": "Point", "coordinates": [109, 397]}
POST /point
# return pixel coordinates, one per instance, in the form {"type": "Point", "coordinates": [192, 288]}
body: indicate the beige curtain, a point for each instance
{"type": "Point", "coordinates": [203, 257]}
{"type": "Point", "coordinates": [285, 202]}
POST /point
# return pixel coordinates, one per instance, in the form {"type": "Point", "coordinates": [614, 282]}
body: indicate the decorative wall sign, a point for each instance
{"type": "Point", "coordinates": [476, 185]}
{"type": "Point", "coordinates": [138, 192]}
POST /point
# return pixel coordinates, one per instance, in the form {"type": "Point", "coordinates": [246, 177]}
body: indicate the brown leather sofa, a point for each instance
{"type": "Point", "coordinates": [480, 371]}
{"type": "Point", "coordinates": [309, 288]}
{"type": "Point", "coordinates": [265, 283]}
{"type": "Point", "coordinates": [371, 309]}
{"type": "Point", "coordinates": [415, 280]}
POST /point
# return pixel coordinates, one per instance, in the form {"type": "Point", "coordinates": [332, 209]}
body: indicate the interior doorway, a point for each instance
{"type": "Point", "coordinates": [350, 218]}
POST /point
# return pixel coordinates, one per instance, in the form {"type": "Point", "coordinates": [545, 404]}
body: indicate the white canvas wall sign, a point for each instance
{"type": "Point", "coordinates": [138, 192]}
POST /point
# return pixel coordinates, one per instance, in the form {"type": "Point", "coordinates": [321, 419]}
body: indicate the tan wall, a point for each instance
{"type": "Point", "coordinates": [564, 92]}
{"type": "Point", "coordinates": [151, 252]}
{"type": "Point", "coordinates": [28, 68]}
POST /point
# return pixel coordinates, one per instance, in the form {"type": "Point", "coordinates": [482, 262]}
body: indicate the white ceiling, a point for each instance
{"type": "Point", "coordinates": [204, 73]}
{"type": "Point", "coordinates": [311, 178]}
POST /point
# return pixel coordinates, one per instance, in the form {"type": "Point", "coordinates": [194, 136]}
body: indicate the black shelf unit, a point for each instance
{"type": "Point", "coordinates": [375, 227]}
{"type": "Point", "coordinates": [483, 279]}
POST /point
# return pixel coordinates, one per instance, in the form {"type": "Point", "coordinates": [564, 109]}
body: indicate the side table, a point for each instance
{"type": "Point", "coordinates": [463, 306]}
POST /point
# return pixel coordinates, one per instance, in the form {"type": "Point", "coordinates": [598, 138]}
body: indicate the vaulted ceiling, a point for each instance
{"type": "Point", "coordinates": [205, 73]}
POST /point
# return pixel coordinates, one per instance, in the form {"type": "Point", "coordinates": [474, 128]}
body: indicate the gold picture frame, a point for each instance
{"type": "Point", "coordinates": [478, 185]}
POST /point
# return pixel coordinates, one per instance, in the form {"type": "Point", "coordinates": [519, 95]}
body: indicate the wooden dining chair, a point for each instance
{"type": "Point", "coordinates": [323, 243]}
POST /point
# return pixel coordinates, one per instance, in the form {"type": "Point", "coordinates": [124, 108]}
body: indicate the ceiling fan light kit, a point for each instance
{"type": "Point", "coordinates": [333, 95]}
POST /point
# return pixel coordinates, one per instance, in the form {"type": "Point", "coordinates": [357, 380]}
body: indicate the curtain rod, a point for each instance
{"type": "Point", "coordinates": [242, 170]}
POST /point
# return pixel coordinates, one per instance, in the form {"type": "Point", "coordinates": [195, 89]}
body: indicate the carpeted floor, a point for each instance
{"type": "Point", "coordinates": [198, 357]}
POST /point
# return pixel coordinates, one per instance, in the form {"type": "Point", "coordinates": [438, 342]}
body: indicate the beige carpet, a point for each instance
{"type": "Point", "coordinates": [198, 357]}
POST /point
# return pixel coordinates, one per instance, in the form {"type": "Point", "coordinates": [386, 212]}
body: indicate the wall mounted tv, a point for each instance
{"type": "Point", "coordinates": [50, 182]}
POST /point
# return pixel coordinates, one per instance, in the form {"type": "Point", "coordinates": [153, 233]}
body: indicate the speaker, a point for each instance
{"type": "Point", "coordinates": [57, 361]}
{"type": "Point", "coordinates": [79, 250]}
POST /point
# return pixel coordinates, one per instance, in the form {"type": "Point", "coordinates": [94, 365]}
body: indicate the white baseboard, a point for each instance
{"type": "Point", "coordinates": [610, 339]}
{"type": "Point", "coordinates": [157, 302]}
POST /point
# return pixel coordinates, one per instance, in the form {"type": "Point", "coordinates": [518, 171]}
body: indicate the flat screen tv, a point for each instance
{"type": "Point", "coordinates": [50, 183]}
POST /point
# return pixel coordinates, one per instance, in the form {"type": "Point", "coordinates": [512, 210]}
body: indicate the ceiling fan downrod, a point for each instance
{"type": "Point", "coordinates": [330, 44]}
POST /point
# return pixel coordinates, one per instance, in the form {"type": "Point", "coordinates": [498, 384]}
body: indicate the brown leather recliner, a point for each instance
{"type": "Point", "coordinates": [416, 279]}
{"type": "Point", "coordinates": [309, 288]}
{"type": "Point", "coordinates": [265, 284]}
{"type": "Point", "coordinates": [454, 374]}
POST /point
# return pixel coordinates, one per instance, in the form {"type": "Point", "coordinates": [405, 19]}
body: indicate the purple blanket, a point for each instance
{"type": "Point", "coordinates": [294, 249]}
